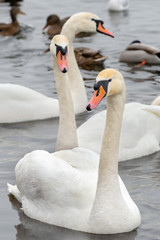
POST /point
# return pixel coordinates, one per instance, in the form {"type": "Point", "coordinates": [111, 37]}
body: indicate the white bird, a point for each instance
{"type": "Point", "coordinates": [66, 188]}
{"type": "Point", "coordinates": [140, 133]}
{"type": "Point", "coordinates": [80, 22]}
{"type": "Point", "coordinates": [156, 101]}
{"type": "Point", "coordinates": [18, 103]}
{"type": "Point", "coordinates": [118, 5]}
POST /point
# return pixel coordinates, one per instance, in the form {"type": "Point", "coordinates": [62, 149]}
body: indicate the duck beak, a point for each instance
{"type": "Point", "coordinates": [62, 62]}
{"type": "Point", "coordinates": [20, 12]}
{"type": "Point", "coordinates": [45, 26]}
{"type": "Point", "coordinates": [102, 29]}
{"type": "Point", "coordinates": [96, 99]}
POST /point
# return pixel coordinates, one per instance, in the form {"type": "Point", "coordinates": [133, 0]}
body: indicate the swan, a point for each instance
{"type": "Point", "coordinates": [156, 101]}
{"type": "Point", "coordinates": [11, 29]}
{"type": "Point", "coordinates": [89, 23]}
{"type": "Point", "coordinates": [138, 52]}
{"type": "Point", "coordinates": [22, 104]}
{"type": "Point", "coordinates": [140, 133]}
{"type": "Point", "coordinates": [118, 5]}
{"type": "Point", "coordinates": [67, 188]}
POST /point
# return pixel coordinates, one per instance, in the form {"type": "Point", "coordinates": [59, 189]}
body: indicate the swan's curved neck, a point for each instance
{"type": "Point", "coordinates": [108, 188]}
{"type": "Point", "coordinates": [76, 81]}
{"type": "Point", "coordinates": [67, 135]}
{"type": "Point", "coordinates": [110, 144]}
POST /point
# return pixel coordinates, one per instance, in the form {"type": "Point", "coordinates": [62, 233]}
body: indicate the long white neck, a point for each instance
{"type": "Point", "coordinates": [76, 81]}
{"type": "Point", "coordinates": [67, 135]}
{"type": "Point", "coordinates": [108, 189]}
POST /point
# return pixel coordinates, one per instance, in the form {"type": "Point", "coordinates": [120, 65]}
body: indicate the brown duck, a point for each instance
{"type": "Point", "coordinates": [88, 58]}
{"type": "Point", "coordinates": [54, 24]}
{"type": "Point", "coordinates": [12, 28]}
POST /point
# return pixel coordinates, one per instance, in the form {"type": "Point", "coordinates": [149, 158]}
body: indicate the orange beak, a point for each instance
{"type": "Point", "coordinates": [96, 99]}
{"type": "Point", "coordinates": [20, 12]}
{"type": "Point", "coordinates": [102, 29]}
{"type": "Point", "coordinates": [62, 62]}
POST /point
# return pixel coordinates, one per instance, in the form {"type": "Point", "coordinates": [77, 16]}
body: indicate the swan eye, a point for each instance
{"type": "Point", "coordinates": [103, 83]}
{"type": "Point", "coordinates": [61, 49]}
{"type": "Point", "coordinates": [97, 21]}
{"type": "Point", "coordinates": [96, 87]}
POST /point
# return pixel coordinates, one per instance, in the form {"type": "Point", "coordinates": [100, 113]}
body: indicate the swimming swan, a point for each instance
{"type": "Point", "coordinates": [118, 5]}
{"type": "Point", "coordinates": [67, 189]}
{"type": "Point", "coordinates": [20, 104]}
{"type": "Point", "coordinates": [80, 22]}
{"type": "Point", "coordinates": [138, 52]}
{"type": "Point", "coordinates": [140, 133]}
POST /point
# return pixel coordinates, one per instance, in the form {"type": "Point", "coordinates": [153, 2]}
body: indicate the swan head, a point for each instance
{"type": "Point", "coordinates": [109, 82]}
{"type": "Point", "coordinates": [59, 50]}
{"type": "Point", "coordinates": [86, 22]}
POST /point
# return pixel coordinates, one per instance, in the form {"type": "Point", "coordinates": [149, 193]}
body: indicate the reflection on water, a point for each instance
{"type": "Point", "coordinates": [22, 62]}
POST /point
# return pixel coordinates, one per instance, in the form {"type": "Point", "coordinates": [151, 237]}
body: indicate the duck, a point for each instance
{"type": "Point", "coordinates": [76, 188]}
{"type": "Point", "coordinates": [10, 29]}
{"type": "Point", "coordinates": [22, 104]}
{"type": "Point", "coordinates": [54, 24]}
{"type": "Point", "coordinates": [138, 52]}
{"type": "Point", "coordinates": [89, 58]}
{"type": "Point", "coordinates": [118, 5]}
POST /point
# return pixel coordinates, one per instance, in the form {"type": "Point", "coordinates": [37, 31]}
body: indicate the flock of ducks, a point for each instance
{"type": "Point", "coordinates": [78, 186]}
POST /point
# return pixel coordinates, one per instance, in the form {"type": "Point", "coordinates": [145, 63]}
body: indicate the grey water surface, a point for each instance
{"type": "Point", "coordinates": [23, 62]}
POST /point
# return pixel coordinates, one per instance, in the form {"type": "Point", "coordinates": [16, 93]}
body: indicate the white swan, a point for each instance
{"type": "Point", "coordinates": [80, 22]}
{"type": "Point", "coordinates": [156, 101]}
{"type": "Point", "coordinates": [62, 188]}
{"type": "Point", "coordinates": [20, 104]}
{"type": "Point", "coordinates": [118, 5]}
{"type": "Point", "coordinates": [140, 134]}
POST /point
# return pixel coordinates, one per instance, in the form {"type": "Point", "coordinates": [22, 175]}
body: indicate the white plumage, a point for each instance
{"type": "Point", "coordinates": [67, 189]}
{"type": "Point", "coordinates": [140, 134]}
{"type": "Point", "coordinates": [118, 5]}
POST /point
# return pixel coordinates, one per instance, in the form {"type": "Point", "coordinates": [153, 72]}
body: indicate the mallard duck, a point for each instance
{"type": "Point", "coordinates": [138, 52]}
{"type": "Point", "coordinates": [88, 58]}
{"type": "Point", "coordinates": [12, 28]}
{"type": "Point", "coordinates": [54, 24]}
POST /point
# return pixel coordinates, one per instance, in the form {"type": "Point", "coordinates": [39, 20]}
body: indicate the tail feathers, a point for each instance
{"type": "Point", "coordinates": [12, 189]}
{"type": "Point", "coordinates": [153, 109]}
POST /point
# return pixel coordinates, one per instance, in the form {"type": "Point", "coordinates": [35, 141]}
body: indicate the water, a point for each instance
{"type": "Point", "coordinates": [22, 62]}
